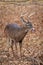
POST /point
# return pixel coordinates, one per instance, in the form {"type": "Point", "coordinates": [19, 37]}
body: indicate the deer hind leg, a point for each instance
{"type": "Point", "coordinates": [12, 47]}
{"type": "Point", "coordinates": [16, 47]}
{"type": "Point", "coordinates": [8, 44]}
{"type": "Point", "coordinates": [13, 42]}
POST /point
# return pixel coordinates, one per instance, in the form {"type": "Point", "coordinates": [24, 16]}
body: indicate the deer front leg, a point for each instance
{"type": "Point", "coordinates": [20, 44]}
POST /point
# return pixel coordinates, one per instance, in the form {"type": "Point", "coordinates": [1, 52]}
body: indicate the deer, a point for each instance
{"type": "Point", "coordinates": [16, 33]}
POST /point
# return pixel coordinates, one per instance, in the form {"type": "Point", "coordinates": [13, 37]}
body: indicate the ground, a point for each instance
{"type": "Point", "coordinates": [32, 44]}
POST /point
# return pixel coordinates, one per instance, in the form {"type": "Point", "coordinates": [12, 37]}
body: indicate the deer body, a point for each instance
{"type": "Point", "coordinates": [17, 33]}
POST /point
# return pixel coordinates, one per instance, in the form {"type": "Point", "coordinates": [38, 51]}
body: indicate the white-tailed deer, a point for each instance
{"type": "Point", "coordinates": [16, 33]}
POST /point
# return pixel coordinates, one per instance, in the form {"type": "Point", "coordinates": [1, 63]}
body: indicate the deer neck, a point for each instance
{"type": "Point", "coordinates": [26, 29]}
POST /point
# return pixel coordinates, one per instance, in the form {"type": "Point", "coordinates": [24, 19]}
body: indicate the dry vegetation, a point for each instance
{"type": "Point", "coordinates": [33, 42]}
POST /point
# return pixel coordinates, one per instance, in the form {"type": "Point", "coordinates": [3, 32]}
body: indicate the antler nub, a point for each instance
{"type": "Point", "coordinates": [31, 14]}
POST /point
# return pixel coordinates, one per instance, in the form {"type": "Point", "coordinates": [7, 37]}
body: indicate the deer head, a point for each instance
{"type": "Point", "coordinates": [28, 24]}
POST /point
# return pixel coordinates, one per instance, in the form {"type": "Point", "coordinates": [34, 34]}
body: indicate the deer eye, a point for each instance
{"type": "Point", "coordinates": [29, 25]}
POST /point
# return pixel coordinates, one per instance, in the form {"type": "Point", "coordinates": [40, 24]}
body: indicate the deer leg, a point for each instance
{"type": "Point", "coordinates": [12, 47]}
{"type": "Point", "coordinates": [16, 47]}
{"type": "Point", "coordinates": [20, 44]}
{"type": "Point", "coordinates": [8, 44]}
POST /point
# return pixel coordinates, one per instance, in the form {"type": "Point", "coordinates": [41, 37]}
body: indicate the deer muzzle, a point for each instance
{"type": "Point", "coordinates": [33, 29]}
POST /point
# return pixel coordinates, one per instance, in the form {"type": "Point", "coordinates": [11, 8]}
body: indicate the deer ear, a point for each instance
{"type": "Point", "coordinates": [22, 20]}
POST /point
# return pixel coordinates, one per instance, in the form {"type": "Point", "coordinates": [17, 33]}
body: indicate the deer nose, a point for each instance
{"type": "Point", "coordinates": [33, 29]}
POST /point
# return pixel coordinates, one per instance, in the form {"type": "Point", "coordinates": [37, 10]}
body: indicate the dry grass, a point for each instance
{"type": "Point", "coordinates": [33, 42]}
